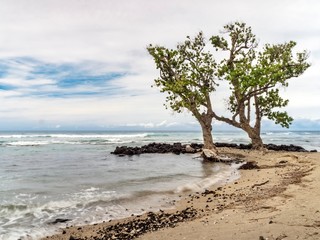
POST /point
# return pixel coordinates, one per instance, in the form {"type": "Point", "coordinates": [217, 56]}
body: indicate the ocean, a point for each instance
{"type": "Point", "coordinates": [73, 176]}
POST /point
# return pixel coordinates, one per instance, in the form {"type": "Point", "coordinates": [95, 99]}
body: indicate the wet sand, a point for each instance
{"type": "Point", "coordinates": [279, 200]}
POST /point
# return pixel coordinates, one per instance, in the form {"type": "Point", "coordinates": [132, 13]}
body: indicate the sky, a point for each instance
{"type": "Point", "coordinates": [83, 65]}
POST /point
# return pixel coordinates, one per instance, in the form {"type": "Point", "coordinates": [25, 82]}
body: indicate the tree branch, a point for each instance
{"type": "Point", "coordinates": [248, 110]}
{"type": "Point", "coordinates": [227, 120]}
{"type": "Point", "coordinates": [257, 125]}
{"type": "Point", "coordinates": [258, 91]}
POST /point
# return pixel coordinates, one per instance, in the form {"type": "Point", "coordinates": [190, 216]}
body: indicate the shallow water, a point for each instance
{"type": "Point", "coordinates": [72, 175]}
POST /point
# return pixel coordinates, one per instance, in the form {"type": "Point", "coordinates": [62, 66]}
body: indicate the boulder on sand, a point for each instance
{"type": "Point", "coordinates": [190, 149]}
{"type": "Point", "coordinates": [209, 154]}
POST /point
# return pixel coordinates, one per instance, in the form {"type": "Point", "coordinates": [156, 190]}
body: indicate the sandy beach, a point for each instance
{"type": "Point", "coordinates": [278, 200]}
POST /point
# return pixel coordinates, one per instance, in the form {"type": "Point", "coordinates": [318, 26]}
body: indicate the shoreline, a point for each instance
{"type": "Point", "coordinates": [258, 205]}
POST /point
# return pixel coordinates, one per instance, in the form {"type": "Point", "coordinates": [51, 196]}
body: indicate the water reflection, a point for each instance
{"type": "Point", "coordinates": [207, 168]}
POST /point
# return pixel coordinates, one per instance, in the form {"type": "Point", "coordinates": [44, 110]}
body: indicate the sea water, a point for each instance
{"type": "Point", "coordinates": [73, 176]}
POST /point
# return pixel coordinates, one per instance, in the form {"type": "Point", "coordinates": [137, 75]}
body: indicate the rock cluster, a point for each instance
{"type": "Point", "coordinates": [274, 147]}
{"type": "Point", "coordinates": [288, 148]}
{"type": "Point", "coordinates": [178, 148]}
{"type": "Point", "coordinates": [134, 228]}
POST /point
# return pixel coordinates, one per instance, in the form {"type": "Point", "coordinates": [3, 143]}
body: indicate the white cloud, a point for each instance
{"type": "Point", "coordinates": [172, 124]}
{"type": "Point", "coordinates": [144, 125]}
{"type": "Point", "coordinates": [111, 36]}
{"type": "Point", "coordinates": [15, 82]}
{"type": "Point", "coordinates": [163, 123]}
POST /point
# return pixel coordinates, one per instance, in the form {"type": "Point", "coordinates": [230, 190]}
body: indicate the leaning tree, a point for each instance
{"type": "Point", "coordinates": [187, 75]}
{"type": "Point", "coordinates": [255, 77]}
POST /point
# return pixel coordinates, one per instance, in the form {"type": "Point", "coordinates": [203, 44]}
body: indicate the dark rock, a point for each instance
{"type": "Point", "coordinates": [249, 165]}
{"type": "Point", "coordinates": [178, 148]}
{"type": "Point", "coordinates": [294, 148]}
{"type": "Point", "coordinates": [206, 192]}
{"type": "Point", "coordinates": [119, 150]}
{"type": "Point", "coordinates": [230, 145]}
{"type": "Point", "coordinates": [196, 145]}
{"type": "Point", "coordinates": [283, 162]}
{"type": "Point", "coordinates": [245, 146]}
{"type": "Point", "coordinates": [287, 148]}
{"type": "Point", "coordinates": [73, 238]}
{"type": "Point", "coordinates": [60, 220]}
{"type": "Point", "coordinates": [130, 152]}
{"type": "Point", "coordinates": [314, 150]}
{"type": "Point", "coordinates": [152, 222]}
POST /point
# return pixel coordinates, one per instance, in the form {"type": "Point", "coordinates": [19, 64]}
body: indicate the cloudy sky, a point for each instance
{"type": "Point", "coordinates": [76, 64]}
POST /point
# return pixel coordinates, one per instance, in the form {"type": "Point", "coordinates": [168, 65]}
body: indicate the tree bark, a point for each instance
{"type": "Point", "coordinates": [205, 120]}
{"type": "Point", "coordinates": [253, 133]}
{"type": "Point", "coordinates": [256, 139]}
{"type": "Point", "coordinates": [207, 137]}
{"type": "Point", "coordinates": [209, 150]}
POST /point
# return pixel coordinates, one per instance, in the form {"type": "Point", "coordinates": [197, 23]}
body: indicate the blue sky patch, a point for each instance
{"type": "Point", "coordinates": [6, 87]}
{"type": "Point", "coordinates": [67, 79]}
{"type": "Point", "coordinates": [73, 80]}
{"type": "Point", "coordinates": [3, 70]}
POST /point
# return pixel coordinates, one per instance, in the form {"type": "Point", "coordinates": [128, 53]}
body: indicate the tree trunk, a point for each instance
{"type": "Point", "coordinates": [209, 150]}
{"type": "Point", "coordinates": [205, 119]}
{"type": "Point", "coordinates": [207, 137]}
{"type": "Point", "coordinates": [256, 139]}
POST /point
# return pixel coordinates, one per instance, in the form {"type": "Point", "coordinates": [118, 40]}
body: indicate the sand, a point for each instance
{"type": "Point", "coordinates": [280, 200]}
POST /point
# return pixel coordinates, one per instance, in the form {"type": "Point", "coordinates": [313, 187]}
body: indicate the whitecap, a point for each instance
{"type": "Point", "coordinates": [27, 143]}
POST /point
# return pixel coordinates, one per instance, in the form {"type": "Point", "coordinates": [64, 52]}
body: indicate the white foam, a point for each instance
{"type": "Point", "coordinates": [92, 189]}
{"type": "Point", "coordinates": [27, 143]}
{"type": "Point", "coordinates": [99, 136]}
{"type": "Point", "coordinates": [115, 136]}
{"type": "Point", "coordinates": [19, 136]}
{"type": "Point", "coordinates": [72, 139]}
{"type": "Point", "coordinates": [227, 175]}
{"type": "Point", "coordinates": [31, 217]}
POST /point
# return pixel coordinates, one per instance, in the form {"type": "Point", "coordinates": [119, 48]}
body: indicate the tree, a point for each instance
{"type": "Point", "coordinates": [254, 78]}
{"type": "Point", "coordinates": [187, 75]}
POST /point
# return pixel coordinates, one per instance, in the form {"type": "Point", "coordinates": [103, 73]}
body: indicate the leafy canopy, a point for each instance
{"type": "Point", "coordinates": [255, 76]}
{"type": "Point", "coordinates": [187, 74]}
